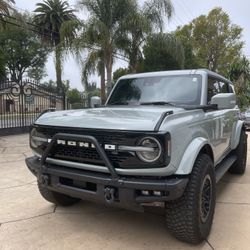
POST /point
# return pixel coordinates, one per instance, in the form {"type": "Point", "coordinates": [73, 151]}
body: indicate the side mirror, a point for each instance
{"type": "Point", "coordinates": [224, 100]}
{"type": "Point", "coordinates": [95, 102]}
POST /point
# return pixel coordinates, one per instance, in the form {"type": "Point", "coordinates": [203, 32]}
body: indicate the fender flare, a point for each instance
{"type": "Point", "coordinates": [190, 155]}
{"type": "Point", "coordinates": [236, 134]}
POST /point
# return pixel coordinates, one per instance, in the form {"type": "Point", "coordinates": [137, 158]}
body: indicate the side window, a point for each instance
{"type": "Point", "coordinates": [216, 86]}
{"type": "Point", "coordinates": [213, 88]}
{"type": "Point", "coordinates": [224, 87]}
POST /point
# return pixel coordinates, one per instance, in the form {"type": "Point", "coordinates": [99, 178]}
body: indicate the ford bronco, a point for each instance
{"type": "Point", "coordinates": [165, 137]}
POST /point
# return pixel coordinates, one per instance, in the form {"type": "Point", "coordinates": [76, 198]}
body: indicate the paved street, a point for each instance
{"type": "Point", "coordinates": [27, 221]}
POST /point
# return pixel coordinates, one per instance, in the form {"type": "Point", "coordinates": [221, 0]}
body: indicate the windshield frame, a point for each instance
{"type": "Point", "coordinates": [201, 81]}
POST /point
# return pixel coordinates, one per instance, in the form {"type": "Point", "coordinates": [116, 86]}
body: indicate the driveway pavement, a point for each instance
{"type": "Point", "coordinates": [29, 222]}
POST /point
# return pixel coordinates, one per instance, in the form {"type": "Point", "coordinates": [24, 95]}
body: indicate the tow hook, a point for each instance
{"type": "Point", "coordinates": [44, 180]}
{"type": "Point", "coordinates": [109, 194]}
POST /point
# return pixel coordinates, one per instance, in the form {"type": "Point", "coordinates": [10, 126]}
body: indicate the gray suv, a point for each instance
{"type": "Point", "coordinates": [165, 137]}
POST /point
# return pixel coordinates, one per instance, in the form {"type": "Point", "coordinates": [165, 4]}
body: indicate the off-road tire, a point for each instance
{"type": "Point", "coordinates": [239, 165]}
{"type": "Point", "coordinates": [55, 197]}
{"type": "Point", "coordinates": [184, 216]}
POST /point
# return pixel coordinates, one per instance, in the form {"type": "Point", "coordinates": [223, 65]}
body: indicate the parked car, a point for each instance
{"type": "Point", "coordinates": [164, 137]}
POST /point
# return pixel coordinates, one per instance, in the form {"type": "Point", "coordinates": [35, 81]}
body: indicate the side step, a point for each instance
{"type": "Point", "coordinates": [222, 168]}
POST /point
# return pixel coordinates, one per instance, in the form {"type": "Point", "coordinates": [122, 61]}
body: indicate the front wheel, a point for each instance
{"type": "Point", "coordinates": [190, 217]}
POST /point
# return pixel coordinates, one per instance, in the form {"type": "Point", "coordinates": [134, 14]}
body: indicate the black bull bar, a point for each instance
{"type": "Point", "coordinates": [122, 191]}
{"type": "Point", "coordinates": [79, 138]}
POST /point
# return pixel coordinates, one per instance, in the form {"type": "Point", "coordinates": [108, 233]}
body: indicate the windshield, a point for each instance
{"type": "Point", "coordinates": [181, 89]}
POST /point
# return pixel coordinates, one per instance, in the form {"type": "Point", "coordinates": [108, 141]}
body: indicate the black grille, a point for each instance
{"type": "Point", "coordinates": [90, 155]}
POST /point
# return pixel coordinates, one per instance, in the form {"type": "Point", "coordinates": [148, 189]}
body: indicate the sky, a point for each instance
{"type": "Point", "coordinates": [185, 11]}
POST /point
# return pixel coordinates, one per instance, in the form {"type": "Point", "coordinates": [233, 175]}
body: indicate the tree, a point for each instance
{"type": "Point", "coordinates": [105, 26]}
{"type": "Point", "coordinates": [94, 63]}
{"type": "Point", "coordinates": [216, 42]}
{"type": "Point", "coordinates": [119, 25]}
{"type": "Point", "coordinates": [93, 90]}
{"type": "Point", "coordinates": [119, 73]}
{"type": "Point", "coordinates": [163, 51]}
{"type": "Point", "coordinates": [141, 22]}
{"type": "Point", "coordinates": [239, 74]}
{"type": "Point", "coordinates": [2, 68]}
{"type": "Point", "coordinates": [21, 51]}
{"type": "Point", "coordinates": [6, 6]}
{"type": "Point", "coordinates": [37, 73]}
{"type": "Point", "coordinates": [240, 68]}
{"type": "Point", "coordinates": [49, 86]}
{"type": "Point", "coordinates": [184, 34]}
{"type": "Point", "coordinates": [74, 96]}
{"type": "Point", "coordinates": [50, 16]}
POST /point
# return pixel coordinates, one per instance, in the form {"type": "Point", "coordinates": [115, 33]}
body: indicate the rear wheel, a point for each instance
{"type": "Point", "coordinates": [55, 197]}
{"type": "Point", "coordinates": [239, 165]}
{"type": "Point", "coordinates": [190, 217]}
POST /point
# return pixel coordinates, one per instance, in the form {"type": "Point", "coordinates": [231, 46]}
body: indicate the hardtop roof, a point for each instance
{"type": "Point", "coordinates": [176, 72]}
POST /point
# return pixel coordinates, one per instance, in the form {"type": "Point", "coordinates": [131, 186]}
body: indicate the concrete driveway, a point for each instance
{"type": "Point", "coordinates": [29, 222]}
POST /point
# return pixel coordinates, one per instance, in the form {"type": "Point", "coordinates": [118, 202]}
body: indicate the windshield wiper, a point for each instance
{"type": "Point", "coordinates": [158, 103]}
{"type": "Point", "coordinates": [205, 108]}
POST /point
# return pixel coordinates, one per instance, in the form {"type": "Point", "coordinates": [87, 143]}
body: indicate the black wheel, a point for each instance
{"type": "Point", "coordinates": [55, 197]}
{"type": "Point", "coordinates": [190, 217]}
{"type": "Point", "coordinates": [239, 165]}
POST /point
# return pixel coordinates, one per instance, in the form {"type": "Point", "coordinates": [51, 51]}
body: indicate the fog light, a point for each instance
{"type": "Point", "coordinates": [145, 192]}
{"type": "Point", "coordinates": [157, 193]}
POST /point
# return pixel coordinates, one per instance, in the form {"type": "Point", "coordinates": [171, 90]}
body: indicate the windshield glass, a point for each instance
{"type": "Point", "coordinates": [181, 89]}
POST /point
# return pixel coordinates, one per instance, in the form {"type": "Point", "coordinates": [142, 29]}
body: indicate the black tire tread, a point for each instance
{"type": "Point", "coordinates": [239, 165]}
{"type": "Point", "coordinates": [182, 215]}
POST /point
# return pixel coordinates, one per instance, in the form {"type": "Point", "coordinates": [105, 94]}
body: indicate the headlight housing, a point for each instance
{"type": "Point", "coordinates": [153, 149]}
{"type": "Point", "coordinates": [37, 139]}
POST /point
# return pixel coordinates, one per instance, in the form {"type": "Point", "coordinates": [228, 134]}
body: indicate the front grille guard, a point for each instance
{"type": "Point", "coordinates": [79, 138]}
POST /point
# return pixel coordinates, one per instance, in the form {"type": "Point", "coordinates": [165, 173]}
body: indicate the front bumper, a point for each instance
{"type": "Point", "coordinates": [118, 191]}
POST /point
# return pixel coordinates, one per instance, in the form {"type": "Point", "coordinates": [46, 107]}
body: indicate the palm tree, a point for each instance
{"type": "Point", "coordinates": [6, 6]}
{"type": "Point", "coordinates": [240, 69]}
{"type": "Point", "coordinates": [119, 25]}
{"type": "Point", "coordinates": [94, 63]}
{"type": "Point", "coordinates": [141, 23]}
{"type": "Point", "coordinates": [51, 16]}
{"type": "Point", "coordinates": [107, 20]}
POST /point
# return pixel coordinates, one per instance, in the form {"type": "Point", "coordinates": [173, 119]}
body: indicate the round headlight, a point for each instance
{"type": "Point", "coordinates": [152, 151]}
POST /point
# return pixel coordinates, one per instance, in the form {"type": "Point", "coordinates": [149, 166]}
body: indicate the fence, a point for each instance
{"type": "Point", "coordinates": [21, 103]}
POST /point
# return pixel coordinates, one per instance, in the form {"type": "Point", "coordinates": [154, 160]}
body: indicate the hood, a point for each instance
{"type": "Point", "coordinates": [117, 118]}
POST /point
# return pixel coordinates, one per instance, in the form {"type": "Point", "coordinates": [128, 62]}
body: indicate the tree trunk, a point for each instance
{"type": "Point", "coordinates": [58, 64]}
{"type": "Point", "coordinates": [103, 91]}
{"type": "Point", "coordinates": [58, 68]}
{"type": "Point", "coordinates": [109, 64]}
{"type": "Point", "coordinates": [133, 58]}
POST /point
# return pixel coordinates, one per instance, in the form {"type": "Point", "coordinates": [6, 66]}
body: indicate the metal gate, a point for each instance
{"type": "Point", "coordinates": [21, 103]}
